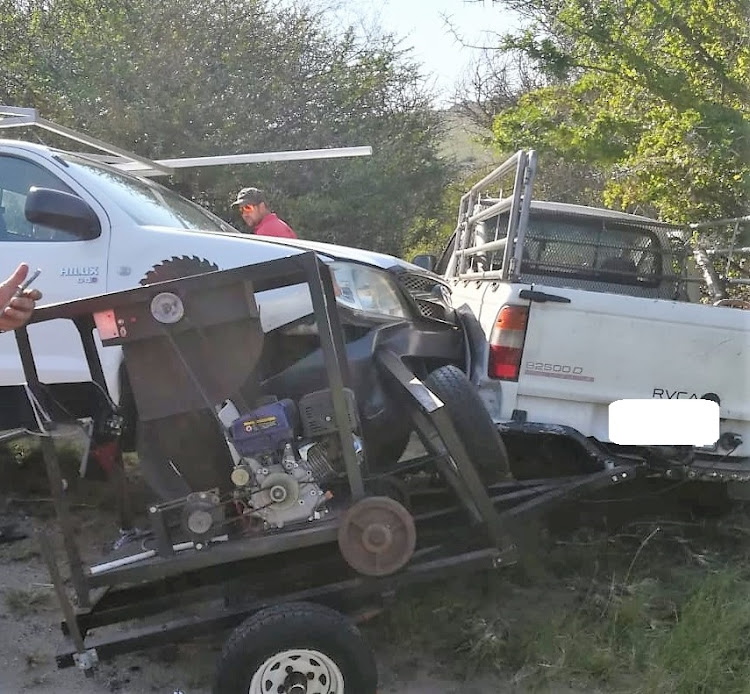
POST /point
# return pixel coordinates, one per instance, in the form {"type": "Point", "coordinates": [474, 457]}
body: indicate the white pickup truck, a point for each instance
{"type": "Point", "coordinates": [94, 227]}
{"type": "Point", "coordinates": [585, 307]}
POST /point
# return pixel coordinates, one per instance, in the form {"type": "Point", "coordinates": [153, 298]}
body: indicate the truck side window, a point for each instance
{"type": "Point", "coordinates": [17, 176]}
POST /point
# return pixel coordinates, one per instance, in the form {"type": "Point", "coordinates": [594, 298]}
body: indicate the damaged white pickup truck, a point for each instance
{"type": "Point", "coordinates": [572, 308]}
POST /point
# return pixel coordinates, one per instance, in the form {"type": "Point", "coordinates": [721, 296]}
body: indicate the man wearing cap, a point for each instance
{"type": "Point", "coordinates": [254, 209]}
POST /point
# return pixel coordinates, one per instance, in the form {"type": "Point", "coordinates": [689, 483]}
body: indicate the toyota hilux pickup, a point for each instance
{"type": "Point", "coordinates": [572, 308]}
{"type": "Point", "coordinates": [94, 227]}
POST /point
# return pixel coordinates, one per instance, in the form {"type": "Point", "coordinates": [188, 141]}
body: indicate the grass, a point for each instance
{"type": "Point", "coordinates": [20, 551]}
{"type": "Point", "coordinates": [34, 659]}
{"type": "Point", "coordinates": [23, 479]}
{"type": "Point", "coordinates": [650, 607]}
{"type": "Point", "coordinates": [605, 638]}
{"type": "Point", "coordinates": [462, 142]}
{"type": "Point", "coordinates": [23, 472]}
{"type": "Point", "coordinates": [707, 649]}
{"type": "Point", "coordinates": [21, 602]}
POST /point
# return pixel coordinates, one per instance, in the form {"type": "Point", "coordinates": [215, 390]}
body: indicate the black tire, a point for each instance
{"type": "Point", "coordinates": [385, 453]}
{"type": "Point", "coordinates": [472, 422]}
{"type": "Point", "coordinates": [300, 626]}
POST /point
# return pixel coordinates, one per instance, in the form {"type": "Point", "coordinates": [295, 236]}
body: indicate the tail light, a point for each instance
{"type": "Point", "coordinates": [506, 343]}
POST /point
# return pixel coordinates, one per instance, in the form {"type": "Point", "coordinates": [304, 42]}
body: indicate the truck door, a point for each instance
{"type": "Point", "coordinates": [71, 269]}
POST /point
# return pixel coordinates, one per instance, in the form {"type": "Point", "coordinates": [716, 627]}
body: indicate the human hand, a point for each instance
{"type": "Point", "coordinates": [18, 309]}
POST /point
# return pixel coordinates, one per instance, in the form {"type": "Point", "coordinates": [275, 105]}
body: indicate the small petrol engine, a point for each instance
{"type": "Point", "coordinates": [286, 456]}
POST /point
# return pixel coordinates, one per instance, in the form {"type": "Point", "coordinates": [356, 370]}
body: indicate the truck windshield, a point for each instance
{"type": "Point", "coordinates": [145, 202]}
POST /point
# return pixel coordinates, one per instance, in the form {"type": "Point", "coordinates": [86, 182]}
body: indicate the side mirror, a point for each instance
{"type": "Point", "coordinates": [426, 262]}
{"type": "Point", "coordinates": [59, 210]}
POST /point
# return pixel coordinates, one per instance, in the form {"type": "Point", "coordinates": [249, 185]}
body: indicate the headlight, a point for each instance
{"type": "Point", "coordinates": [371, 291]}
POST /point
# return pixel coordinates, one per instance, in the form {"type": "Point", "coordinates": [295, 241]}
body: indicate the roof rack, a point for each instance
{"type": "Point", "coordinates": [14, 116]}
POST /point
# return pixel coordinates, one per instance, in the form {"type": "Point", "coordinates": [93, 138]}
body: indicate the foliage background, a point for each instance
{"type": "Point", "coordinates": [655, 94]}
{"type": "Point", "coordinates": [176, 78]}
{"type": "Point", "coordinates": [638, 104]}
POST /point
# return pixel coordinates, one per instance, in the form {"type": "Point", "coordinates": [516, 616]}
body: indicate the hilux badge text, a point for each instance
{"type": "Point", "coordinates": [79, 271]}
{"type": "Point", "coordinates": [85, 275]}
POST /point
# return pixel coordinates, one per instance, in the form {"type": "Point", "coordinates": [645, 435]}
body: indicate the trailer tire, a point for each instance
{"type": "Point", "coordinates": [295, 640]}
{"type": "Point", "coordinates": [472, 422]}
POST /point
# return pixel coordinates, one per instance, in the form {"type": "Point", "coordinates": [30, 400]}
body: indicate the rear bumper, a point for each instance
{"type": "Point", "coordinates": [682, 463]}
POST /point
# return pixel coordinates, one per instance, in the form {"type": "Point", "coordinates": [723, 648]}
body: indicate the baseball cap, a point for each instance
{"type": "Point", "coordinates": [250, 196]}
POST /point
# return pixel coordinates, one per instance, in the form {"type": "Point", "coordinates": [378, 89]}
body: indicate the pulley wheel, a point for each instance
{"type": "Point", "coordinates": [279, 490]}
{"type": "Point", "coordinates": [377, 536]}
{"type": "Point", "coordinates": [201, 514]}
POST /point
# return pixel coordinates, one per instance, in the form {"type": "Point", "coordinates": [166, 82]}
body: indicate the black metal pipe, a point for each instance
{"type": "Point", "coordinates": [334, 354]}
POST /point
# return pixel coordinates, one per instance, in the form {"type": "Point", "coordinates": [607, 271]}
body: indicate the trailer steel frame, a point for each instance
{"type": "Point", "coordinates": [475, 529]}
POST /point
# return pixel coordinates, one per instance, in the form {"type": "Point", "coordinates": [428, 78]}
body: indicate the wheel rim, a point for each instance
{"type": "Point", "coordinates": [298, 671]}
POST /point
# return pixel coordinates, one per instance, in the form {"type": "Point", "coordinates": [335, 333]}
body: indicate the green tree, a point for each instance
{"type": "Point", "coordinates": [654, 92]}
{"type": "Point", "coordinates": [199, 77]}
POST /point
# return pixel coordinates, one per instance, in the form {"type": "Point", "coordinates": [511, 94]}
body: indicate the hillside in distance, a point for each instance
{"type": "Point", "coordinates": [462, 141]}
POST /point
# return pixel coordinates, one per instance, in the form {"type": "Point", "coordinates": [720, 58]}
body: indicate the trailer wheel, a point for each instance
{"type": "Point", "coordinates": [296, 647]}
{"type": "Point", "coordinates": [472, 422]}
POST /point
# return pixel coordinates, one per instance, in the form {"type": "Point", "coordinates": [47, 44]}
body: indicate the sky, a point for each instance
{"type": "Point", "coordinates": [424, 26]}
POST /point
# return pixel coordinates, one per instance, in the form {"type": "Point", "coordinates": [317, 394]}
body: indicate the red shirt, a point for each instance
{"type": "Point", "coordinates": [271, 225]}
